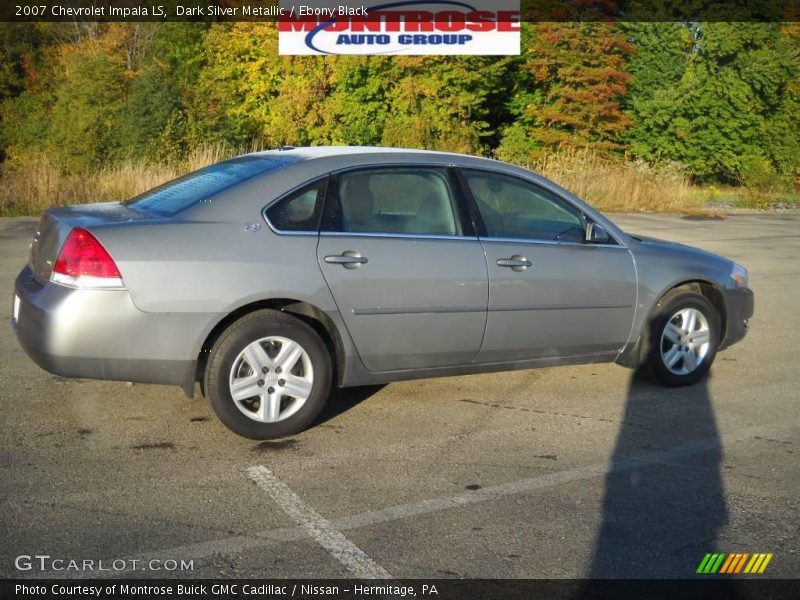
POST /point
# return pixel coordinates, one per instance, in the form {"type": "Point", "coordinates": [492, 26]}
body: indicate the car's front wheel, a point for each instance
{"type": "Point", "coordinates": [683, 337]}
{"type": "Point", "coordinates": [268, 375]}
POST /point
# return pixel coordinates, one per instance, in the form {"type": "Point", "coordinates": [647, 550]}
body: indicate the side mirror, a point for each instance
{"type": "Point", "coordinates": [595, 234]}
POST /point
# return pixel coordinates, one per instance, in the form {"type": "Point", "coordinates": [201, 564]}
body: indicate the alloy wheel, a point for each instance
{"type": "Point", "coordinates": [685, 341]}
{"type": "Point", "coordinates": [271, 379]}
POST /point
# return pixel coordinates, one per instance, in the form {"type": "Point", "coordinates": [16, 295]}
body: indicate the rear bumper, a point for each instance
{"type": "Point", "coordinates": [100, 334]}
{"type": "Point", "coordinates": [739, 306]}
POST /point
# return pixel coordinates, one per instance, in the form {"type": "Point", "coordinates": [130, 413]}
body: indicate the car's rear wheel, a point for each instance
{"type": "Point", "coordinates": [268, 375]}
{"type": "Point", "coordinates": [682, 339]}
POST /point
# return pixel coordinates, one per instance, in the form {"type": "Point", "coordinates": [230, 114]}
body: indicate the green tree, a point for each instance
{"type": "Point", "coordinates": [26, 77]}
{"type": "Point", "coordinates": [87, 107]}
{"type": "Point", "coordinates": [781, 132]}
{"type": "Point", "coordinates": [659, 60]}
{"type": "Point", "coordinates": [158, 118]}
{"type": "Point", "coordinates": [441, 103]}
{"type": "Point", "coordinates": [717, 116]}
{"type": "Point", "coordinates": [355, 111]}
{"type": "Point", "coordinates": [152, 99]}
{"type": "Point", "coordinates": [16, 44]}
{"type": "Point", "coordinates": [248, 92]}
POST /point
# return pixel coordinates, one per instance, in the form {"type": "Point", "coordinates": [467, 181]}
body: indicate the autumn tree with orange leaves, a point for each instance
{"type": "Point", "coordinates": [571, 90]}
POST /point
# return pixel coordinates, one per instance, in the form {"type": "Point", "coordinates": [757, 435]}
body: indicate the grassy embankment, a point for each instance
{"type": "Point", "coordinates": [37, 184]}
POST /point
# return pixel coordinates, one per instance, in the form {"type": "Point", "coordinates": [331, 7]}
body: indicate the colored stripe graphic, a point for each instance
{"type": "Point", "coordinates": [753, 562]}
{"type": "Point", "coordinates": [731, 560]}
{"type": "Point", "coordinates": [703, 563]}
{"type": "Point", "coordinates": [765, 563]}
{"type": "Point", "coordinates": [723, 563]}
{"type": "Point", "coordinates": [758, 563]}
{"type": "Point", "coordinates": [741, 562]}
{"type": "Point", "coordinates": [711, 563]}
{"type": "Point", "coordinates": [734, 560]}
{"type": "Point", "coordinates": [716, 565]}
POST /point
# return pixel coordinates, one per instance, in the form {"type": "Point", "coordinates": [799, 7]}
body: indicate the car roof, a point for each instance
{"type": "Point", "coordinates": [308, 162]}
{"type": "Point", "coordinates": [311, 152]}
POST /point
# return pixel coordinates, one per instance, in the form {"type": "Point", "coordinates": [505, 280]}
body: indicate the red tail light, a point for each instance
{"type": "Point", "coordinates": [83, 262]}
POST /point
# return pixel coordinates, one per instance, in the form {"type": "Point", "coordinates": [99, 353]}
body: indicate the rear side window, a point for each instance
{"type": "Point", "coordinates": [300, 211]}
{"type": "Point", "coordinates": [179, 194]}
{"type": "Point", "coordinates": [395, 200]}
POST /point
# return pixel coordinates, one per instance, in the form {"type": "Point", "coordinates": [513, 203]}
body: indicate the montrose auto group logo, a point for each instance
{"type": "Point", "coordinates": [404, 27]}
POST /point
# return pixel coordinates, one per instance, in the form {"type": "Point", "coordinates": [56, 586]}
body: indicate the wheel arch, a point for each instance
{"type": "Point", "coordinates": [633, 357]}
{"type": "Point", "coordinates": [310, 314]}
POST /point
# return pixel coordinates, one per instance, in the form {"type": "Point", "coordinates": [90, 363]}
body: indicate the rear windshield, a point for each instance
{"type": "Point", "coordinates": [179, 194]}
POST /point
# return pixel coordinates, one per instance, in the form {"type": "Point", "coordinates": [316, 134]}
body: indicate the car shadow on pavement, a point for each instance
{"type": "Point", "coordinates": [343, 399]}
{"type": "Point", "coordinates": [663, 511]}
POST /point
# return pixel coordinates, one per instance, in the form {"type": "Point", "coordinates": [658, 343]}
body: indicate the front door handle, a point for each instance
{"type": "Point", "coordinates": [516, 262]}
{"type": "Point", "coordinates": [349, 259]}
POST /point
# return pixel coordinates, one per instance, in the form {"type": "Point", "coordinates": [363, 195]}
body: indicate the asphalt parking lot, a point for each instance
{"type": "Point", "coordinates": [570, 472]}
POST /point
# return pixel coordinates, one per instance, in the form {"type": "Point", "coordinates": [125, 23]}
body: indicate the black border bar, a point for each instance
{"type": "Point", "coordinates": [31, 11]}
{"type": "Point", "coordinates": [701, 588]}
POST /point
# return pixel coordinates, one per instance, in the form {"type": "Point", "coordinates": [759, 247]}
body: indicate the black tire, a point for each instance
{"type": "Point", "coordinates": [668, 307]}
{"type": "Point", "coordinates": [252, 327]}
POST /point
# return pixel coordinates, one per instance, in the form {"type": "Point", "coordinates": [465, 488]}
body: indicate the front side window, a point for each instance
{"type": "Point", "coordinates": [513, 208]}
{"type": "Point", "coordinates": [299, 211]}
{"type": "Point", "coordinates": [395, 200]}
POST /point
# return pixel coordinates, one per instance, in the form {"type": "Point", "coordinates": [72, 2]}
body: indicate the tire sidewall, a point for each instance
{"type": "Point", "coordinates": [666, 310]}
{"type": "Point", "coordinates": [248, 329]}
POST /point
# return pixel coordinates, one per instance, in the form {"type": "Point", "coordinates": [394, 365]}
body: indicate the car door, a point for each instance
{"type": "Point", "coordinates": [550, 293]}
{"type": "Point", "coordinates": [404, 267]}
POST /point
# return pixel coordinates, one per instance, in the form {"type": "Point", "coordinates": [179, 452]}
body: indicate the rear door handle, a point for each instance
{"type": "Point", "coordinates": [350, 259]}
{"type": "Point", "coordinates": [515, 263]}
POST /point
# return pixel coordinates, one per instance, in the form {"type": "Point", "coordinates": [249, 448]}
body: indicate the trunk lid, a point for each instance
{"type": "Point", "coordinates": [56, 223]}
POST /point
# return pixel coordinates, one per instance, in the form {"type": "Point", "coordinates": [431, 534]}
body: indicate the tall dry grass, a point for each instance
{"type": "Point", "coordinates": [622, 186]}
{"type": "Point", "coordinates": [38, 183]}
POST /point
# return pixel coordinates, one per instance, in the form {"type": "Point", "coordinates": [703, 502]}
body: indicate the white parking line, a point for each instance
{"type": "Point", "coordinates": [239, 543]}
{"type": "Point", "coordinates": [317, 526]}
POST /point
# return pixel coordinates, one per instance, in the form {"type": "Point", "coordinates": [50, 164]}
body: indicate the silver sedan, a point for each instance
{"type": "Point", "coordinates": [272, 277]}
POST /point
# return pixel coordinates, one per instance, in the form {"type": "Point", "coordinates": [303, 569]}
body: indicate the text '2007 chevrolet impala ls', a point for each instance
{"type": "Point", "coordinates": [272, 277]}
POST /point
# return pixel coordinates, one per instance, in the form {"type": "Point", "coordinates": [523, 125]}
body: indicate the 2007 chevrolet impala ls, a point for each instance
{"type": "Point", "coordinates": [275, 275]}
